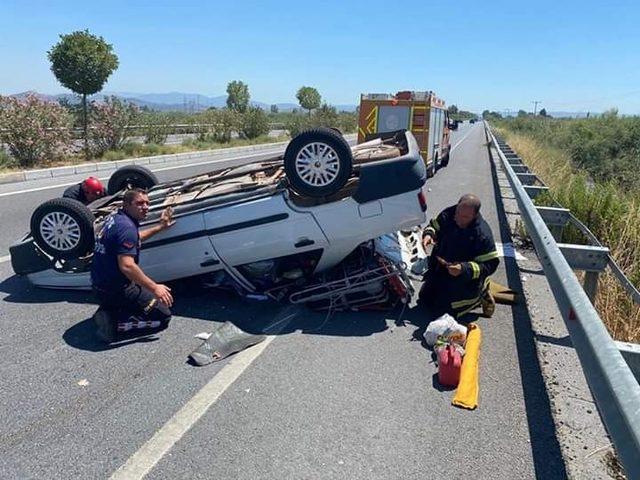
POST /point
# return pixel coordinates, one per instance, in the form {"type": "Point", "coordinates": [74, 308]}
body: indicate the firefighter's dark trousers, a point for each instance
{"type": "Point", "coordinates": [454, 295]}
{"type": "Point", "coordinates": [134, 308]}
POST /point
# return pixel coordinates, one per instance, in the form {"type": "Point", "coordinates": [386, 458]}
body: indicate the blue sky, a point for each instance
{"type": "Point", "coordinates": [570, 55]}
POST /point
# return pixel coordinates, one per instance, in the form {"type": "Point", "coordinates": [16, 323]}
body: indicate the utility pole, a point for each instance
{"type": "Point", "coordinates": [535, 106]}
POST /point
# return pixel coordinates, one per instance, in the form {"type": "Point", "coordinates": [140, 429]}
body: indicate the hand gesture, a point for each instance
{"type": "Point", "coordinates": [427, 240]}
{"type": "Point", "coordinates": [166, 218]}
{"type": "Point", "coordinates": [163, 293]}
{"type": "Point", "coordinates": [454, 269]}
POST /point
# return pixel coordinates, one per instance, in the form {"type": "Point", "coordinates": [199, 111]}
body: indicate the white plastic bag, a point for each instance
{"type": "Point", "coordinates": [447, 327]}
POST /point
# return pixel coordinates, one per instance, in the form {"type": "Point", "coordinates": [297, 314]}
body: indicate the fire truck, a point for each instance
{"type": "Point", "coordinates": [422, 113]}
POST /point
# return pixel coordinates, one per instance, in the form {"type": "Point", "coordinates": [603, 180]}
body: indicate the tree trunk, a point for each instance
{"type": "Point", "coordinates": [84, 126]}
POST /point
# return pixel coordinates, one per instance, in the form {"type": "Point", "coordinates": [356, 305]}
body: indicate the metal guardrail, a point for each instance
{"type": "Point", "coordinates": [613, 385]}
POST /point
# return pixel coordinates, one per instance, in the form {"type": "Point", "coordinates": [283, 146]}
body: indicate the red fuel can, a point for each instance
{"type": "Point", "coordinates": [449, 363]}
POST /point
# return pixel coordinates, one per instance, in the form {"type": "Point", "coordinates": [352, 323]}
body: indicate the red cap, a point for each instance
{"type": "Point", "coordinates": [93, 185]}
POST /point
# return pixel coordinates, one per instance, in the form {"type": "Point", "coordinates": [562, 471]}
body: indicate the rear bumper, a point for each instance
{"type": "Point", "coordinates": [395, 176]}
{"type": "Point", "coordinates": [27, 258]}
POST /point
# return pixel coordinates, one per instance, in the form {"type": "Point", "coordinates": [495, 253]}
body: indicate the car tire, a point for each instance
{"type": "Point", "coordinates": [331, 167]}
{"type": "Point", "coordinates": [431, 169]}
{"type": "Point", "coordinates": [63, 228]}
{"type": "Point", "coordinates": [131, 176]}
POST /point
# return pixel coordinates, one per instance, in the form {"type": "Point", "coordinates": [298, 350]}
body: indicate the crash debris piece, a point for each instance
{"type": "Point", "coordinates": [224, 341]}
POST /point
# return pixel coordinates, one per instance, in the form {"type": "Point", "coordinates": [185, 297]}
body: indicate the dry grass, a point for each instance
{"type": "Point", "coordinates": [611, 214]}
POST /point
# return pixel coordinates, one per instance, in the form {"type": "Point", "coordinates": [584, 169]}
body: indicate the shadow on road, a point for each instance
{"type": "Point", "coordinates": [547, 456]}
{"type": "Point", "coordinates": [83, 337]}
{"type": "Point", "coordinates": [19, 290]}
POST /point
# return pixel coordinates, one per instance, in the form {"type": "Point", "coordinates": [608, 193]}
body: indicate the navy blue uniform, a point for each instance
{"type": "Point", "coordinates": [474, 248]}
{"type": "Point", "coordinates": [132, 306]}
{"type": "Point", "coordinates": [76, 192]}
{"type": "Point", "coordinates": [119, 236]}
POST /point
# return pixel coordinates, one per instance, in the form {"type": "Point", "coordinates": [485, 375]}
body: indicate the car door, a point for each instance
{"type": "Point", "coordinates": [184, 250]}
{"type": "Point", "coordinates": [261, 229]}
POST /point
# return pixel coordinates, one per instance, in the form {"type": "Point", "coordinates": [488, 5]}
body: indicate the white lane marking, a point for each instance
{"type": "Point", "coordinates": [462, 140]}
{"type": "Point", "coordinates": [38, 189]}
{"type": "Point", "coordinates": [6, 258]}
{"type": "Point", "coordinates": [141, 463]}
{"type": "Point", "coordinates": [508, 250]}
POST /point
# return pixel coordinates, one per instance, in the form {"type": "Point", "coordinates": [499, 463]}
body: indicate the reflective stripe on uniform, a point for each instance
{"type": "Point", "coordinates": [467, 310]}
{"type": "Point", "coordinates": [464, 303]}
{"type": "Point", "coordinates": [475, 270]}
{"type": "Point", "coordinates": [486, 256]}
{"type": "Point", "coordinates": [434, 223]}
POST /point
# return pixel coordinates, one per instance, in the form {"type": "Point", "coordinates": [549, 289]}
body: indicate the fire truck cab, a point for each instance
{"type": "Point", "coordinates": [422, 113]}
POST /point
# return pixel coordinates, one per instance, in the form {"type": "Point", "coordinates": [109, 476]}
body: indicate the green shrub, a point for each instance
{"type": "Point", "coordinates": [296, 124]}
{"type": "Point", "coordinates": [34, 130]}
{"type": "Point", "coordinates": [109, 122]}
{"type": "Point", "coordinates": [325, 116]}
{"type": "Point", "coordinates": [255, 122]}
{"type": "Point", "coordinates": [156, 128]}
{"type": "Point", "coordinates": [606, 147]}
{"type": "Point", "coordinates": [6, 160]}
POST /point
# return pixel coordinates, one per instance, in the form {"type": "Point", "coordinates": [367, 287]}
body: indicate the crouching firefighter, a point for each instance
{"type": "Point", "coordinates": [463, 257]}
{"type": "Point", "coordinates": [130, 302]}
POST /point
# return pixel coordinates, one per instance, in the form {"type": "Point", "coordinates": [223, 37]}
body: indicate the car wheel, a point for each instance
{"type": "Point", "coordinates": [318, 162]}
{"type": "Point", "coordinates": [63, 228]}
{"type": "Point", "coordinates": [131, 176]}
{"type": "Point", "coordinates": [431, 169]}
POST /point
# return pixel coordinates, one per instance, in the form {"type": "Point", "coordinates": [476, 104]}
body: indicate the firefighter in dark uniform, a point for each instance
{"type": "Point", "coordinates": [129, 299]}
{"type": "Point", "coordinates": [86, 191]}
{"type": "Point", "coordinates": [463, 257]}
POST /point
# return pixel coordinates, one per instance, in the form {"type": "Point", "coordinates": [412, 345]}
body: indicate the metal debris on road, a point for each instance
{"type": "Point", "coordinates": [224, 341]}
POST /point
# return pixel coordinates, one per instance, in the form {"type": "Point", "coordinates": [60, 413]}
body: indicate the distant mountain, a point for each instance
{"type": "Point", "coordinates": [171, 101]}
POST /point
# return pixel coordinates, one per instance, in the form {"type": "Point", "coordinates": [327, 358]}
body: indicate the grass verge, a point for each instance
{"type": "Point", "coordinates": [610, 212]}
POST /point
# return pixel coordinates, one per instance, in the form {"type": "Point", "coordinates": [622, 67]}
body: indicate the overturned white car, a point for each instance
{"type": "Point", "coordinates": [289, 218]}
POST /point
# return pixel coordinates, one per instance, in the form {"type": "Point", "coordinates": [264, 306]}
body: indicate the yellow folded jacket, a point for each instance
{"type": "Point", "coordinates": [467, 394]}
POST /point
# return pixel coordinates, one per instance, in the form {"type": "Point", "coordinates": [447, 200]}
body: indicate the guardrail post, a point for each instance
{"type": "Point", "coordinates": [556, 219]}
{"type": "Point", "coordinates": [556, 231]}
{"type": "Point", "coordinates": [591, 285]}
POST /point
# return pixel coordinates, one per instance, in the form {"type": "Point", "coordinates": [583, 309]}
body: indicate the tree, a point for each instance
{"type": "Point", "coordinates": [308, 98]}
{"type": "Point", "coordinates": [274, 108]}
{"type": "Point", "coordinates": [453, 109]}
{"type": "Point", "coordinates": [543, 112]}
{"type": "Point", "coordinates": [82, 62]}
{"type": "Point", "coordinates": [522, 113]}
{"type": "Point", "coordinates": [238, 96]}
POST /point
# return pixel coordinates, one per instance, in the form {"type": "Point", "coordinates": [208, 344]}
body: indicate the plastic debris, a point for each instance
{"type": "Point", "coordinates": [446, 329]}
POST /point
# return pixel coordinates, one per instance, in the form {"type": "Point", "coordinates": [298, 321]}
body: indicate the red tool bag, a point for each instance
{"type": "Point", "coordinates": [449, 363]}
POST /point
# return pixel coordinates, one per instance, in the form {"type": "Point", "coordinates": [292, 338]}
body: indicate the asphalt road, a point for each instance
{"type": "Point", "coordinates": [349, 396]}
